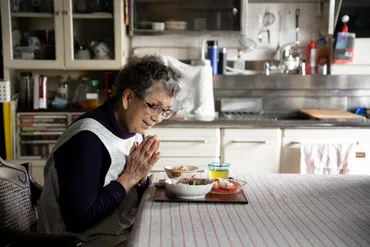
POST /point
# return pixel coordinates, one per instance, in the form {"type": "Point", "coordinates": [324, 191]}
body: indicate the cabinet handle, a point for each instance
{"type": "Point", "coordinates": [250, 142]}
{"type": "Point", "coordinates": [57, 13]}
{"type": "Point", "coordinates": [297, 143]}
{"type": "Point", "coordinates": [185, 141]}
{"type": "Point", "coordinates": [65, 12]}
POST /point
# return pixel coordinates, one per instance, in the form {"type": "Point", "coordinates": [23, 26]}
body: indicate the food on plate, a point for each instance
{"type": "Point", "coordinates": [194, 181]}
{"type": "Point", "coordinates": [176, 174]}
{"type": "Point", "coordinates": [221, 185]}
{"type": "Point", "coordinates": [182, 168]}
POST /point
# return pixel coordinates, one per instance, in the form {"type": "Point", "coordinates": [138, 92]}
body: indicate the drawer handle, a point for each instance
{"type": "Point", "coordinates": [185, 141]}
{"type": "Point", "coordinates": [298, 143]}
{"type": "Point", "coordinates": [250, 142]}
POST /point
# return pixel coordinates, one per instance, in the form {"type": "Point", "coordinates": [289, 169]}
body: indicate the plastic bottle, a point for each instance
{"type": "Point", "coordinates": [311, 57]}
{"type": "Point", "coordinates": [239, 63]}
{"type": "Point", "coordinates": [222, 61]}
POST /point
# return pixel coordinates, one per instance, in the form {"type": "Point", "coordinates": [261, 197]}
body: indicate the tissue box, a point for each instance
{"type": "Point", "coordinates": [344, 48]}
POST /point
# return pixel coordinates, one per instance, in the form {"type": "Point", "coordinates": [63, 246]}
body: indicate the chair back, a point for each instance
{"type": "Point", "coordinates": [16, 209]}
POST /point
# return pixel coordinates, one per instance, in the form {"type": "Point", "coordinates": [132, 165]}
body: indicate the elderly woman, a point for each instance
{"type": "Point", "coordinates": [98, 169]}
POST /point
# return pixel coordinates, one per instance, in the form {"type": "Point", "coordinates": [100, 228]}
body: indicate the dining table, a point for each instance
{"type": "Point", "coordinates": [282, 210]}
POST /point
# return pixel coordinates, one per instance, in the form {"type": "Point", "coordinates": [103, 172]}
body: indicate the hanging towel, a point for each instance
{"type": "Point", "coordinates": [326, 157]}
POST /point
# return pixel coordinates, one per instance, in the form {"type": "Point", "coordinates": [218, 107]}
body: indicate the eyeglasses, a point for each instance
{"type": "Point", "coordinates": [159, 110]}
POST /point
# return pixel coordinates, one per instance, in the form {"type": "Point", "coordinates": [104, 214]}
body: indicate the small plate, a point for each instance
{"type": "Point", "coordinates": [240, 182]}
{"type": "Point", "coordinates": [226, 193]}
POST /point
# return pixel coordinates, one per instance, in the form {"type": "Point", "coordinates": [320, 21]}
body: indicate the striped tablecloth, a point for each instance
{"type": "Point", "coordinates": [283, 210]}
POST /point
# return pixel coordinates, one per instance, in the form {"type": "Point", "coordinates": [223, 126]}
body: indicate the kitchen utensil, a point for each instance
{"type": "Point", "coordinates": [276, 53]}
{"type": "Point", "coordinates": [297, 14]}
{"type": "Point", "coordinates": [247, 43]}
{"type": "Point", "coordinates": [268, 20]}
{"type": "Point", "coordinates": [260, 36]}
{"type": "Point", "coordinates": [332, 114]}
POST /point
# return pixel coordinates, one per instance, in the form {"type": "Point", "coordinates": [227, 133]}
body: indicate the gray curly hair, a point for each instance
{"type": "Point", "coordinates": [139, 74]}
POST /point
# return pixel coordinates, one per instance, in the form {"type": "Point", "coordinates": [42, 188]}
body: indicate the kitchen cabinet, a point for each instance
{"type": "Point", "coordinates": [291, 139]}
{"type": "Point", "coordinates": [185, 15]}
{"type": "Point", "coordinates": [56, 35]}
{"type": "Point", "coordinates": [187, 146]}
{"type": "Point", "coordinates": [251, 150]}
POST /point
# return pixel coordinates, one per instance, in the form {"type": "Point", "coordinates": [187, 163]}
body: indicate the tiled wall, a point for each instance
{"type": "Point", "coordinates": [312, 21]}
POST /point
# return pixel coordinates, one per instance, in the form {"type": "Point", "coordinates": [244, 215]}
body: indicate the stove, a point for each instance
{"type": "Point", "coordinates": [246, 116]}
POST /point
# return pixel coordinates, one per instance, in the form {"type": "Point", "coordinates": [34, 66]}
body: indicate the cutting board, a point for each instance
{"type": "Point", "coordinates": [332, 114]}
{"type": "Point", "coordinates": [162, 195]}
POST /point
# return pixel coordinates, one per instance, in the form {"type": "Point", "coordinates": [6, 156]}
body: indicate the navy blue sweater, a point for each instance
{"type": "Point", "coordinates": [82, 164]}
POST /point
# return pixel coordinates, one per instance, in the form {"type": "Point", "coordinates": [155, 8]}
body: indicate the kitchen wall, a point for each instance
{"type": "Point", "coordinates": [188, 46]}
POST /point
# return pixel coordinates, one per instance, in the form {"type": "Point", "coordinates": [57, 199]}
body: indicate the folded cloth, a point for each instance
{"type": "Point", "coordinates": [324, 157]}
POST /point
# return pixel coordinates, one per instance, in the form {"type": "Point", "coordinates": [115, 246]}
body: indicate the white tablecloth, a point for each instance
{"type": "Point", "coordinates": [283, 210]}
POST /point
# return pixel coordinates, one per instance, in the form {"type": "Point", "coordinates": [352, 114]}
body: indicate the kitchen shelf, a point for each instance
{"type": "Point", "coordinates": [32, 15]}
{"type": "Point", "coordinates": [52, 110]}
{"type": "Point", "coordinates": [286, 1]}
{"type": "Point", "coordinates": [39, 142]}
{"type": "Point", "coordinates": [93, 16]}
{"type": "Point", "coordinates": [185, 32]}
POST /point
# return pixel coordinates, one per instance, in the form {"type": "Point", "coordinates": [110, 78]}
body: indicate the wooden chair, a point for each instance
{"type": "Point", "coordinates": [19, 194]}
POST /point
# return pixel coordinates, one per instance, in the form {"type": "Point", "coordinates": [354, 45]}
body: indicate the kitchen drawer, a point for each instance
{"type": "Point", "coordinates": [327, 133]}
{"type": "Point", "coordinates": [202, 163]}
{"type": "Point", "coordinates": [251, 136]}
{"type": "Point", "coordinates": [188, 142]}
{"type": "Point", "coordinates": [252, 150]}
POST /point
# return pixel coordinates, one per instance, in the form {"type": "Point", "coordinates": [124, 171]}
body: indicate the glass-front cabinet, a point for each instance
{"type": "Point", "coordinates": [63, 34]}
{"type": "Point", "coordinates": [163, 16]}
{"type": "Point", "coordinates": [31, 33]}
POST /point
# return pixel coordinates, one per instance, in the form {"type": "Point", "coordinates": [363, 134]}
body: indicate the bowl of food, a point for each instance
{"type": "Point", "coordinates": [181, 171]}
{"type": "Point", "coordinates": [189, 188]}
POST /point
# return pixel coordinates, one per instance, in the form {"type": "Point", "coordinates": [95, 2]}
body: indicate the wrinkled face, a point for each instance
{"type": "Point", "coordinates": [139, 115]}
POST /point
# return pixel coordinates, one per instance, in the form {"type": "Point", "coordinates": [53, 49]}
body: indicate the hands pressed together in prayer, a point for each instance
{"type": "Point", "coordinates": [140, 161]}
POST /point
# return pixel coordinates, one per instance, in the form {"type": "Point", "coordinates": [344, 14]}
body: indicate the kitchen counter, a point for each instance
{"type": "Point", "coordinates": [263, 124]}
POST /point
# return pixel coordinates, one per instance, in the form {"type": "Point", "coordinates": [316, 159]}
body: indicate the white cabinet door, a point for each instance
{"type": "Point", "coordinates": [43, 26]}
{"type": "Point", "coordinates": [188, 142]}
{"type": "Point", "coordinates": [291, 152]}
{"type": "Point", "coordinates": [252, 150]}
{"type": "Point", "coordinates": [103, 26]}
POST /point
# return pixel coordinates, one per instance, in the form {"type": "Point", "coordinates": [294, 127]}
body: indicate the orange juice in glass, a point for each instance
{"type": "Point", "coordinates": [218, 170]}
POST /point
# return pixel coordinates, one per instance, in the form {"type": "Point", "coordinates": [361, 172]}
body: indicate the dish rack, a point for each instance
{"type": "Point", "coordinates": [37, 132]}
